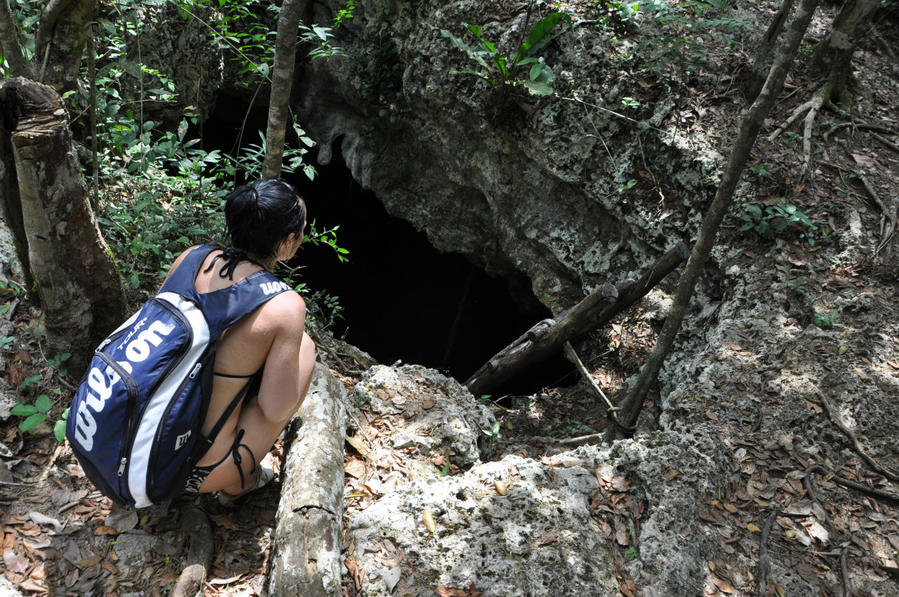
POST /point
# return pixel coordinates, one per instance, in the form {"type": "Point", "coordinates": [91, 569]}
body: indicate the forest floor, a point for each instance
{"type": "Point", "coordinates": [59, 536]}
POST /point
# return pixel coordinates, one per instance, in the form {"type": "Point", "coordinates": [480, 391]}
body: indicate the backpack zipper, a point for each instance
{"type": "Point", "coordinates": [133, 399]}
{"type": "Point", "coordinates": [198, 366]}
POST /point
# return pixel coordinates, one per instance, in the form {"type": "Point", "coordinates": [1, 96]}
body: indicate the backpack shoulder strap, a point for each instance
{"type": "Point", "coordinates": [181, 281]}
{"type": "Point", "coordinates": [226, 306]}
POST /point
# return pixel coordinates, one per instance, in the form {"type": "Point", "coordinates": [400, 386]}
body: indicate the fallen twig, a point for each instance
{"type": "Point", "coordinates": [885, 496]}
{"type": "Point", "coordinates": [855, 444]}
{"type": "Point", "coordinates": [763, 554]}
{"type": "Point", "coordinates": [571, 355]}
{"type": "Point", "coordinates": [568, 441]}
{"type": "Point", "coordinates": [844, 570]}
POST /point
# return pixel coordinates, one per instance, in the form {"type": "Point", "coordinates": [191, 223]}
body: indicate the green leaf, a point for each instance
{"type": "Point", "coordinates": [59, 430]}
{"type": "Point", "coordinates": [32, 421]}
{"type": "Point", "coordinates": [539, 35]}
{"type": "Point", "coordinates": [23, 410]}
{"type": "Point", "coordinates": [43, 403]}
{"type": "Point", "coordinates": [538, 87]}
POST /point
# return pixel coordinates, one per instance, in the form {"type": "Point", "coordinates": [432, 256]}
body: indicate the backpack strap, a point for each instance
{"type": "Point", "coordinates": [222, 308]}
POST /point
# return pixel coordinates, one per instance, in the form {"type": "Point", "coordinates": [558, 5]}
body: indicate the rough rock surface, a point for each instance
{"type": "Point", "coordinates": [530, 185]}
{"type": "Point", "coordinates": [435, 413]}
{"type": "Point", "coordinates": [537, 537]}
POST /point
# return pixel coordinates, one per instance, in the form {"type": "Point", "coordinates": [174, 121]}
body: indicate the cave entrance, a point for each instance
{"type": "Point", "coordinates": [401, 298]}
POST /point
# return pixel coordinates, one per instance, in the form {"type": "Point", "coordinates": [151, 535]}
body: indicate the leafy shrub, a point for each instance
{"type": "Point", "coordinates": [499, 69]}
{"type": "Point", "coordinates": [778, 219]}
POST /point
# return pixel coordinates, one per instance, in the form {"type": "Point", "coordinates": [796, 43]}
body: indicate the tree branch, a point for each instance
{"type": "Point", "coordinates": [547, 337]}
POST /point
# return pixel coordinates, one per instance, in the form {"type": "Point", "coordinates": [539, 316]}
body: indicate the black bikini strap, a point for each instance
{"type": "Point", "coordinates": [213, 433]}
{"type": "Point", "coordinates": [230, 258]}
{"type": "Point", "coordinates": [232, 376]}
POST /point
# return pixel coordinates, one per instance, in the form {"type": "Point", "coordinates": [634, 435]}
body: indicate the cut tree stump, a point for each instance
{"type": "Point", "coordinates": [45, 201]}
{"type": "Point", "coordinates": [306, 542]}
{"type": "Point", "coordinates": [549, 336]}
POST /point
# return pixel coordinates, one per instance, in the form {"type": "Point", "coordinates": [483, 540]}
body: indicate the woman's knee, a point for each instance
{"type": "Point", "coordinates": [307, 364]}
{"type": "Point", "coordinates": [307, 351]}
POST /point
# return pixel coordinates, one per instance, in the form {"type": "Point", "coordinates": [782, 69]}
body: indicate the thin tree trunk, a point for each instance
{"type": "Point", "coordinates": [9, 41]}
{"type": "Point", "coordinates": [749, 129]}
{"type": "Point", "coordinates": [282, 81]}
{"type": "Point", "coordinates": [834, 54]}
{"type": "Point", "coordinates": [763, 57]}
{"type": "Point", "coordinates": [79, 288]}
{"type": "Point", "coordinates": [63, 32]}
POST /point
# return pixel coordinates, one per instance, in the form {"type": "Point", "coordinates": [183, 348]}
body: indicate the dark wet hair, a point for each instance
{"type": "Point", "coordinates": [260, 216]}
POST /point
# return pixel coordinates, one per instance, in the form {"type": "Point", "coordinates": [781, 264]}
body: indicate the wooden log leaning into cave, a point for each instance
{"type": "Point", "coordinates": [547, 337]}
{"type": "Point", "coordinates": [307, 538]}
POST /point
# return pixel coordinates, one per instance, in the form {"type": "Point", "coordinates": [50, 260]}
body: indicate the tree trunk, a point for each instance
{"type": "Point", "coordinates": [749, 129]}
{"type": "Point", "coordinates": [282, 80]}
{"type": "Point", "coordinates": [833, 56]}
{"type": "Point", "coordinates": [10, 203]}
{"type": "Point", "coordinates": [79, 288]}
{"type": "Point", "coordinates": [307, 540]}
{"type": "Point", "coordinates": [9, 41]}
{"type": "Point", "coordinates": [762, 63]}
{"type": "Point", "coordinates": [548, 337]}
{"type": "Point", "coordinates": [63, 32]}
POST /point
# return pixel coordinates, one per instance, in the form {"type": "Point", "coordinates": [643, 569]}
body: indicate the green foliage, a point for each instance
{"type": "Point", "coordinates": [57, 362]}
{"type": "Point", "coordinates": [525, 67]}
{"type": "Point", "coordinates": [34, 413]}
{"type": "Point", "coordinates": [494, 432]}
{"type": "Point", "coordinates": [378, 74]}
{"type": "Point", "coordinates": [320, 39]}
{"type": "Point", "coordinates": [826, 320]}
{"type": "Point", "coordinates": [37, 413]}
{"type": "Point", "coordinates": [778, 219]}
{"type": "Point", "coordinates": [625, 187]}
{"type": "Point", "coordinates": [677, 46]}
{"type": "Point", "coordinates": [616, 16]}
{"type": "Point", "coordinates": [632, 552]}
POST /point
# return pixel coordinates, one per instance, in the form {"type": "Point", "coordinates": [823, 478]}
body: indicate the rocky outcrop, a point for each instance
{"type": "Point", "coordinates": [517, 526]}
{"type": "Point", "coordinates": [515, 182]}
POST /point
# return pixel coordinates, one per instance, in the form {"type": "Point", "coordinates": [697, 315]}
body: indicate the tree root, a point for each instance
{"type": "Point", "coordinates": [810, 109]}
{"type": "Point", "coordinates": [879, 494]}
{"type": "Point", "coordinates": [855, 443]}
{"type": "Point", "coordinates": [844, 572]}
{"type": "Point", "coordinates": [887, 219]}
{"type": "Point", "coordinates": [763, 555]}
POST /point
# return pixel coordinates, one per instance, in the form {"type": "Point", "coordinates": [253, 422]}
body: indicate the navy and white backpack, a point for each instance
{"type": "Point", "coordinates": [135, 422]}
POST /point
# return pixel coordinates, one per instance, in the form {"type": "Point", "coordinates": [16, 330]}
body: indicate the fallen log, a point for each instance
{"type": "Point", "coordinates": [306, 542]}
{"type": "Point", "coordinates": [548, 337]}
{"type": "Point", "coordinates": [195, 525]}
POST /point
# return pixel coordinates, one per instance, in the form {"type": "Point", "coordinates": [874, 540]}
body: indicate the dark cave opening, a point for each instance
{"type": "Point", "coordinates": [401, 298]}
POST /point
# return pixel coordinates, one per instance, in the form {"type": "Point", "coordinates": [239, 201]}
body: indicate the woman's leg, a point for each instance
{"type": "Point", "coordinates": [259, 434]}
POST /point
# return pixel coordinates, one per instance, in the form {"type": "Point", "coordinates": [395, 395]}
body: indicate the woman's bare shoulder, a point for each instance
{"type": "Point", "coordinates": [285, 312]}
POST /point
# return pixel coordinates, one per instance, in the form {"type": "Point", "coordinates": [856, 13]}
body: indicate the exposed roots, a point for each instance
{"type": "Point", "coordinates": [810, 109]}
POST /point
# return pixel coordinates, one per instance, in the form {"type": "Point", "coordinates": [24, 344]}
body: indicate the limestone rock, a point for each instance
{"type": "Point", "coordinates": [532, 541]}
{"type": "Point", "coordinates": [434, 413]}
